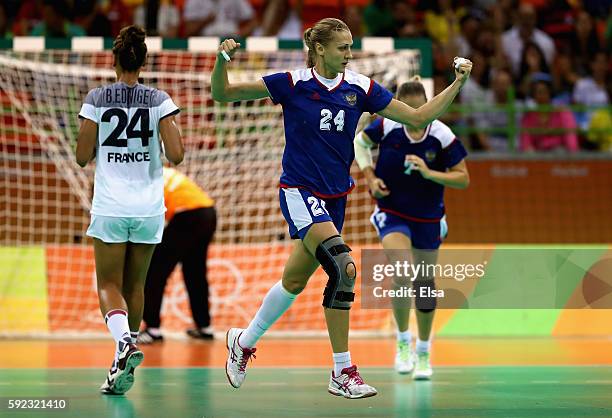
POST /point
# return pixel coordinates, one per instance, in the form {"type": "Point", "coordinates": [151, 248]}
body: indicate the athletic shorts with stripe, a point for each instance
{"type": "Point", "coordinates": [424, 235]}
{"type": "Point", "coordinates": [302, 209]}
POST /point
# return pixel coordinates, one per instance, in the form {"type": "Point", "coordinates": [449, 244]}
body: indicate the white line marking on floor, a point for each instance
{"type": "Point", "coordinates": [491, 382]}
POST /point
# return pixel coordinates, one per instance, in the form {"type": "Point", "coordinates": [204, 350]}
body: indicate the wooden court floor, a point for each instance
{"type": "Point", "coordinates": [179, 378]}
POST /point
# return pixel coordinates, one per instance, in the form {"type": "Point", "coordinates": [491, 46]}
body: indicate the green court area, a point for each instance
{"type": "Point", "coordinates": [204, 392]}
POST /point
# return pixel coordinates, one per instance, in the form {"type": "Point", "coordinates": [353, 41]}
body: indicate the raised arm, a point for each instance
{"type": "Point", "coordinates": [404, 114]}
{"type": "Point", "coordinates": [222, 90]}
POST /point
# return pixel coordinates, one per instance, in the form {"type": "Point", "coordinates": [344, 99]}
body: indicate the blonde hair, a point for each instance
{"type": "Point", "coordinates": [412, 87]}
{"type": "Point", "coordinates": [322, 32]}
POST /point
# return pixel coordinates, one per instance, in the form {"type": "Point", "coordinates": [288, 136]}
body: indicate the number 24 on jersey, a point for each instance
{"type": "Point", "coordinates": [326, 118]}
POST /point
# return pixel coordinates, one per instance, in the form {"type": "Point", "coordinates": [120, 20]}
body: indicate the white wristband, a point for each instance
{"type": "Point", "coordinates": [225, 56]}
{"type": "Point", "coordinates": [458, 61]}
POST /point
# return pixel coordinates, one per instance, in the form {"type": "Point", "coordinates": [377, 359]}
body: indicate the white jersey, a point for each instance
{"type": "Point", "coordinates": [129, 180]}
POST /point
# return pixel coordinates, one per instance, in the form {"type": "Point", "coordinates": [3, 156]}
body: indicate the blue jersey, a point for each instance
{"type": "Point", "coordinates": [412, 196]}
{"type": "Point", "coordinates": [320, 124]}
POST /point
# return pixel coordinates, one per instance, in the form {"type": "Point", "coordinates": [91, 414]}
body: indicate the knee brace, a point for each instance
{"type": "Point", "coordinates": [334, 256]}
{"type": "Point", "coordinates": [424, 300]}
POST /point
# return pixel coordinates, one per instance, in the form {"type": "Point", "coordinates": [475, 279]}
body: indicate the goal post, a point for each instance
{"type": "Point", "coordinates": [47, 283]}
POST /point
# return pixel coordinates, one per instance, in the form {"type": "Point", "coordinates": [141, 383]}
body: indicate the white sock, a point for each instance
{"type": "Point", "coordinates": [404, 336]}
{"type": "Point", "coordinates": [117, 323]}
{"type": "Point", "coordinates": [276, 302]}
{"type": "Point", "coordinates": [341, 361]}
{"type": "Point", "coordinates": [134, 337]}
{"type": "Point", "coordinates": [423, 346]}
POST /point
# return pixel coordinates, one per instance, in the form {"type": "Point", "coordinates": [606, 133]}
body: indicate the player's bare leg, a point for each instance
{"type": "Point", "coordinates": [110, 261]}
{"type": "Point", "coordinates": [397, 247]}
{"type": "Point", "coordinates": [345, 379]}
{"type": "Point", "coordinates": [138, 259]}
{"type": "Point", "coordinates": [423, 369]}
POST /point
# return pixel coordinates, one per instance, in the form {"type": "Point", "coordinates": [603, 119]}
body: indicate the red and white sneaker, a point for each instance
{"type": "Point", "coordinates": [120, 377]}
{"type": "Point", "coordinates": [237, 358]}
{"type": "Point", "coordinates": [350, 385]}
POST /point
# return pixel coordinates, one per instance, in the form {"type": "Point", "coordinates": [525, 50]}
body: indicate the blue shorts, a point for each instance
{"type": "Point", "coordinates": [424, 235]}
{"type": "Point", "coordinates": [301, 209]}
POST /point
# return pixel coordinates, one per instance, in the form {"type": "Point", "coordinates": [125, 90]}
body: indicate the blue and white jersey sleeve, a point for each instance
{"type": "Point", "coordinates": [377, 98]}
{"type": "Point", "coordinates": [375, 131]}
{"type": "Point", "coordinates": [88, 109]}
{"type": "Point", "coordinates": [454, 153]}
{"type": "Point", "coordinates": [279, 86]}
{"type": "Point", "coordinates": [453, 150]}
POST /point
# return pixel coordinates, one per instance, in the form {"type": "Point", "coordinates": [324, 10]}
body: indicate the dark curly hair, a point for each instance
{"type": "Point", "coordinates": [130, 49]}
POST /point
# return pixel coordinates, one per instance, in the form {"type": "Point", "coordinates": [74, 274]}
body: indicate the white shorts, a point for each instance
{"type": "Point", "coordinates": [110, 229]}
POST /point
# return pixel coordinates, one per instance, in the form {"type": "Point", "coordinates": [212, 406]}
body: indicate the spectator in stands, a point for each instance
{"type": "Point", "coordinates": [352, 15]}
{"type": "Point", "coordinates": [594, 90]}
{"type": "Point", "coordinates": [56, 23]}
{"type": "Point", "coordinates": [119, 13]}
{"type": "Point", "coordinates": [494, 125]}
{"type": "Point", "coordinates": [28, 16]}
{"type": "Point", "coordinates": [547, 128]}
{"type": "Point", "coordinates": [599, 135]}
{"type": "Point", "coordinates": [89, 15]}
{"type": "Point", "coordinates": [473, 95]}
{"type": "Point", "coordinates": [5, 30]}
{"type": "Point", "coordinates": [501, 13]}
{"type": "Point", "coordinates": [532, 62]}
{"type": "Point", "coordinates": [406, 22]}
{"type": "Point", "coordinates": [524, 30]}
{"type": "Point", "coordinates": [378, 18]}
{"type": "Point", "coordinates": [158, 18]}
{"type": "Point", "coordinates": [583, 43]}
{"type": "Point", "coordinates": [442, 20]}
{"type": "Point", "coordinates": [281, 20]}
{"type": "Point", "coordinates": [608, 33]}
{"type": "Point", "coordinates": [11, 8]}
{"type": "Point", "coordinates": [465, 41]}
{"type": "Point", "coordinates": [564, 77]}
{"type": "Point", "coordinates": [219, 18]}
{"type": "Point", "coordinates": [489, 42]}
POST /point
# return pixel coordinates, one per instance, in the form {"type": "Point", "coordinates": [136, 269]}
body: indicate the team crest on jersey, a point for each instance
{"type": "Point", "coordinates": [430, 155]}
{"type": "Point", "coordinates": [351, 99]}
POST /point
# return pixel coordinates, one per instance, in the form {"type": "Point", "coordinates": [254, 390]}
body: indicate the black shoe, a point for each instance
{"type": "Point", "coordinates": [145, 337]}
{"type": "Point", "coordinates": [199, 334]}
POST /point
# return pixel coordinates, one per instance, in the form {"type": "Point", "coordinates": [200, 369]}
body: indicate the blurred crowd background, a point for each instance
{"type": "Point", "coordinates": [541, 79]}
